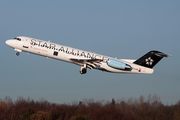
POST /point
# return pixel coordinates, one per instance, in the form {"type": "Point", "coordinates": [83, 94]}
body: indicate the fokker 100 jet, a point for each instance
{"type": "Point", "coordinates": [86, 59]}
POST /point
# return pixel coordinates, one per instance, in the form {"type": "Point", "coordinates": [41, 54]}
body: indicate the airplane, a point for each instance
{"type": "Point", "coordinates": [85, 59]}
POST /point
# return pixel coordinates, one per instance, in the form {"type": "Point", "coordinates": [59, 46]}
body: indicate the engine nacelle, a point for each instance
{"type": "Point", "coordinates": [83, 70]}
{"type": "Point", "coordinates": [118, 64]}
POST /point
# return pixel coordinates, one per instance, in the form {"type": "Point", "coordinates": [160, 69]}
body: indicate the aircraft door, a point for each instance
{"type": "Point", "coordinates": [26, 43]}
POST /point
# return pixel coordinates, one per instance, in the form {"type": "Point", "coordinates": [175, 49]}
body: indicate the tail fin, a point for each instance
{"type": "Point", "coordinates": [150, 59]}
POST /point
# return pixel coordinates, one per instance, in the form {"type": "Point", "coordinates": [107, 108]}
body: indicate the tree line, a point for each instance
{"type": "Point", "coordinates": [88, 109]}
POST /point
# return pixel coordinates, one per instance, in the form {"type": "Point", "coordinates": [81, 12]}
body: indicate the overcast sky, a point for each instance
{"type": "Point", "coordinates": [122, 29]}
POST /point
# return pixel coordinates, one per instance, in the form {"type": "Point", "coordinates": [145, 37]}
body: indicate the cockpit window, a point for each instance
{"type": "Point", "coordinates": [18, 39]}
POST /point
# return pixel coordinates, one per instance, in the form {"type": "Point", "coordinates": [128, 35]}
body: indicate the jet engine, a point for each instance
{"type": "Point", "coordinates": [83, 70]}
{"type": "Point", "coordinates": [118, 64]}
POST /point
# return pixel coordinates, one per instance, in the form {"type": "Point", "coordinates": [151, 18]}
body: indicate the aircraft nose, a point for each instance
{"type": "Point", "coordinates": [10, 43]}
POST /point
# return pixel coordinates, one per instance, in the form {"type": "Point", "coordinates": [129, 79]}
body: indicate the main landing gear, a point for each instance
{"type": "Point", "coordinates": [17, 53]}
{"type": "Point", "coordinates": [83, 69]}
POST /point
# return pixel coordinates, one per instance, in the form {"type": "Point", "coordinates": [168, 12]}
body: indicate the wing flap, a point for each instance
{"type": "Point", "coordinates": [91, 63]}
{"type": "Point", "coordinates": [86, 59]}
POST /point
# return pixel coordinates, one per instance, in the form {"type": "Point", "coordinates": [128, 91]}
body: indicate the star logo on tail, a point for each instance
{"type": "Point", "coordinates": [149, 61]}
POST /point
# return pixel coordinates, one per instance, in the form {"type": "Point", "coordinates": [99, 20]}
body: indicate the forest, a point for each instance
{"type": "Point", "coordinates": [150, 108]}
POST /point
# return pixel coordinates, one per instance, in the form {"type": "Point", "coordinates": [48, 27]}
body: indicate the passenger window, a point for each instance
{"type": "Point", "coordinates": [55, 53]}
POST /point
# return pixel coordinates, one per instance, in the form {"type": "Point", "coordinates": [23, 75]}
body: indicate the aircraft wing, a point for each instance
{"type": "Point", "coordinates": [91, 63]}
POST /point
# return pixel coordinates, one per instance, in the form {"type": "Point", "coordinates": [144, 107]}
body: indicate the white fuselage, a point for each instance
{"type": "Point", "coordinates": [72, 55]}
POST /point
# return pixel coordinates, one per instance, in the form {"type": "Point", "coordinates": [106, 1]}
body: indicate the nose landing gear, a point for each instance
{"type": "Point", "coordinates": [17, 53]}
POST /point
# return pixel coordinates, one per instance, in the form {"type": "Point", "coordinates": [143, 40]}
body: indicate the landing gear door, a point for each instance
{"type": "Point", "coordinates": [26, 43]}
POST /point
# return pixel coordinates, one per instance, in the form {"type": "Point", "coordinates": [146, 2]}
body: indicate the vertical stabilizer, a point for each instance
{"type": "Point", "coordinates": [150, 59]}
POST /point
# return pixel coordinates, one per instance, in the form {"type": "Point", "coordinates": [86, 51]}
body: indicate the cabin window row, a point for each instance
{"type": "Point", "coordinates": [62, 50]}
